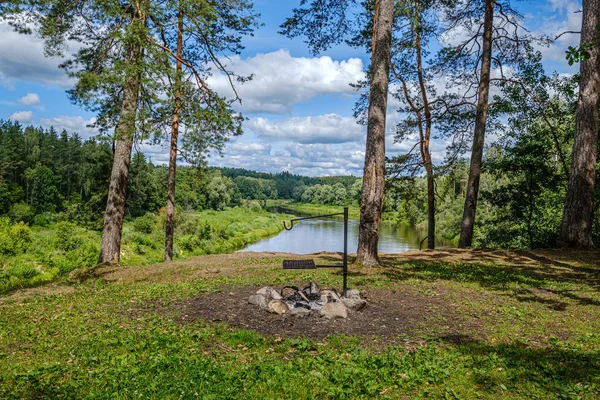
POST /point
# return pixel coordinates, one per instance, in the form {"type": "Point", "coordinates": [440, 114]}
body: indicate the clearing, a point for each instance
{"type": "Point", "coordinates": [439, 324]}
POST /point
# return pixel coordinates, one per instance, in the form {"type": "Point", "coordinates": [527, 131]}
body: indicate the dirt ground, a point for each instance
{"type": "Point", "coordinates": [389, 317]}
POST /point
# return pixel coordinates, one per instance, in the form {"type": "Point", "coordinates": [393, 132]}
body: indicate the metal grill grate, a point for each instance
{"type": "Point", "coordinates": [299, 264]}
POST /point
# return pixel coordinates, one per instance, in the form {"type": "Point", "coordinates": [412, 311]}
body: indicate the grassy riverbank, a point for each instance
{"type": "Point", "coordinates": [316, 209]}
{"type": "Point", "coordinates": [452, 324]}
{"type": "Point", "coordinates": [56, 249]}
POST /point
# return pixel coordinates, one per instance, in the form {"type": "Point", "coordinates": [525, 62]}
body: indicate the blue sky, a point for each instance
{"type": "Point", "coordinates": [299, 106]}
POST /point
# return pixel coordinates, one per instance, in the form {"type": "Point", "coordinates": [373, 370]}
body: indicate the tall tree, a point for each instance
{"type": "Point", "coordinates": [170, 220]}
{"type": "Point", "coordinates": [329, 22]}
{"type": "Point", "coordinates": [578, 214]}
{"type": "Point", "coordinates": [409, 69]}
{"type": "Point", "coordinates": [491, 42]}
{"type": "Point", "coordinates": [195, 38]}
{"type": "Point", "coordinates": [371, 204]}
{"type": "Point", "coordinates": [468, 220]}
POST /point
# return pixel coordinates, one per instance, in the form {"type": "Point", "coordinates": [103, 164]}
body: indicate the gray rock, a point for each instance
{"type": "Point", "coordinates": [277, 307]}
{"type": "Point", "coordinates": [329, 295]}
{"type": "Point", "coordinates": [352, 294]}
{"type": "Point", "coordinates": [258, 300]}
{"type": "Point", "coordinates": [354, 304]}
{"type": "Point", "coordinates": [334, 310]}
{"type": "Point", "coordinates": [300, 312]}
{"type": "Point", "coordinates": [269, 293]}
{"type": "Point", "coordinates": [314, 288]}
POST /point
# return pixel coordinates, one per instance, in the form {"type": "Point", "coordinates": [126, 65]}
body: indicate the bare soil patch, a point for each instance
{"type": "Point", "coordinates": [391, 316]}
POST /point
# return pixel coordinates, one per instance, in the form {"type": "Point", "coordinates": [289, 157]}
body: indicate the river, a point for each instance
{"type": "Point", "coordinates": [315, 235]}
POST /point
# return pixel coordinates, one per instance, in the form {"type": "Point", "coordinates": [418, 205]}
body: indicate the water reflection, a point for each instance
{"type": "Point", "coordinates": [311, 236]}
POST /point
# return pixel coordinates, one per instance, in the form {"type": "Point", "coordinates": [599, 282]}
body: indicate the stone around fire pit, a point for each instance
{"type": "Point", "coordinates": [353, 294]}
{"type": "Point", "coordinates": [258, 300]}
{"type": "Point", "coordinates": [277, 307]}
{"type": "Point", "coordinates": [269, 292]}
{"type": "Point", "coordinates": [309, 300]}
{"type": "Point", "coordinates": [334, 310]}
{"type": "Point", "coordinates": [354, 304]}
{"type": "Point", "coordinates": [300, 312]}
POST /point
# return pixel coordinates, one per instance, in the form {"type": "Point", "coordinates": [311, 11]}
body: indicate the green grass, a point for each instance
{"type": "Point", "coordinates": [57, 249]}
{"type": "Point", "coordinates": [536, 336]}
{"type": "Point", "coordinates": [317, 209]}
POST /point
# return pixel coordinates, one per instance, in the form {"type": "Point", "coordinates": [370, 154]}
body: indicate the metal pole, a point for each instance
{"type": "Point", "coordinates": [345, 264]}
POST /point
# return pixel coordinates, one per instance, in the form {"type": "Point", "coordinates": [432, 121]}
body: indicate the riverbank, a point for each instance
{"type": "Point", "coordinates": [52, 251]}
{"type": "Point", "coordinates": [315, 209]}
{"type": "Point", "coordinates": [446, 324]}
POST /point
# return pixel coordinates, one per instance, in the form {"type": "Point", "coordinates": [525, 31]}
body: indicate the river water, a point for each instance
{"type": "Point", "coordinates": [314, 235]}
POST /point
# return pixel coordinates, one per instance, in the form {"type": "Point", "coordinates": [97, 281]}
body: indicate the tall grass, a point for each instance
{"type": "Point", "coordinates": [55, 250]}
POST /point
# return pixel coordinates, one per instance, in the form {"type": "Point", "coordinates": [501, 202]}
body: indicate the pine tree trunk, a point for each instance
{"type": "Point", "coordinates": [468, 220]}
{"type": "Point", "coordinates": [578, 214]}
{"type": "Point", "coordinates": [425, 152]}
{"type": "Point", "coordinates": [110, 250]}
{"type": "Point", "coordinates": [170, 223]}
{"type": "Point", "coordinates": [374, 171]}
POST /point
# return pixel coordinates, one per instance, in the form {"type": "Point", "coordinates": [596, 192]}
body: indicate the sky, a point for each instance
{"type": "Point", "coordinates": [298, 107]}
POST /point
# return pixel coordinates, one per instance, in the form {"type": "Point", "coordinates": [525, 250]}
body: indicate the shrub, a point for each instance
{"type": "Point", "coordinates": [66, 237]}
{"type": "Point", "coordinates": [21, 212]}
{"type": "Point", "coordinates": [14, 238]}
{"type": "Point", "coordinates": [255, 206]}
{"type": "Point", "coordinates": [144, 224]}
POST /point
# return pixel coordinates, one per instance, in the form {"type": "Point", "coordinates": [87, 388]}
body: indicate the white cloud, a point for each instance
{"type": "Point", "coordinates": [76, 124]}
{"type": "Point", "coordinates": [30, 99]}
{"type": "Point", "coordinates": [281, 81]}
{"type": "Point", "coordinates": [564, 16]}
{"type": "Point", "coordinates": [328, 128]}
{"type": "Point", "coordinates": [23, 60]}
{"type": "Point", "coordinates": [22, 116]}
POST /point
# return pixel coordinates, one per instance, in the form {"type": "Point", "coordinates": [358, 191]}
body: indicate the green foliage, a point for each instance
{"type": "Point", "coordinates": [66, 237]}
{"type": "Point", "coordinates": [144, 224]}
{"type": "Point", "coordinates": [14, 238]}
{"type": "Point", "coordinates": [21, 212]}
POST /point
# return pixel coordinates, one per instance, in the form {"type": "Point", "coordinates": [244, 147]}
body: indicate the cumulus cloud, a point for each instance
{"type": "Point", "coordinates": [23, 60]}
{"type": "Point", "coordinates": [280, 80]}
{"type": "Point", "coordinates": [24, 117]}
{"type": "Point", "coordinates": [30, 99]}
{"type": "Point", "coordinates": [328, 128]}
{"type": "Point", "coordinates": [72, 124]}
{"type": "Point", "coordinates": [565, 16]}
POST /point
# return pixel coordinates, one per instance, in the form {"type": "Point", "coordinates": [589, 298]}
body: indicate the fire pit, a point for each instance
{"type": "Point", "coordinates": [308, 301]}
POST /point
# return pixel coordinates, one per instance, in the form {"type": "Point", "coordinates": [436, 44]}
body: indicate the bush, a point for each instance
{"type": "Point", "coordinates": [21, 212]}
{"type": "Point", "coordinates": [144, 224]}
{"type": "Point", "coordinates": [66, 236]}
{"type": "Point", "coordinates": [14, 238]}
{"type": "Point", "coordinates": [255, 206]}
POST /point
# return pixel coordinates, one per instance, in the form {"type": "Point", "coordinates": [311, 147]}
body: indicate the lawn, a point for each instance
{"type": "Point", "coordinates": [446, 324]}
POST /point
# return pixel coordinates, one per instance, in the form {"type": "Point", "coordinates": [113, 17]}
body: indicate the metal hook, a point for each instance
{"type": "Point", "coordinates": [291, 226]}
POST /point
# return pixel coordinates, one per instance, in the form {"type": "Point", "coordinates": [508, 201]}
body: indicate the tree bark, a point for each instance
{"type": "Point", "coordinates": [578, 213]}
{"type": "Point", "coordinates": [170, 222]}
{"type": "Point", "coordinates": [110, 250]}
{"type": "Point", "coordinates": [468, 220]}
{"type": "Point", "coordinates": [374, 170]}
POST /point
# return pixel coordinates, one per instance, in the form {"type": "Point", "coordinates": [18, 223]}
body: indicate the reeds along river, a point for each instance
{"type": "Point", "coordinates": [311, 236]}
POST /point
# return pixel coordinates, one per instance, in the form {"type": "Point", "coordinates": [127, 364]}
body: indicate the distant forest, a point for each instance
{"type": "Point", "coordinates": [47, 177]}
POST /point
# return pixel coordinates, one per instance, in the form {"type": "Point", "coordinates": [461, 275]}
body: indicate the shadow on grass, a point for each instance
{"type": "Point", "coordinates": [533, 279]}
{"type": "Point", "coordinates": [552, 372]}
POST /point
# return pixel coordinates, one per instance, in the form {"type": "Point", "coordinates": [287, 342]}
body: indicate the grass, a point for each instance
{"type": "Point", "coordinates": [317, 209]}
{"type": "Point", "coordinates": [526, 327]}
{"type": "Point", "coordinates": [57, 249]}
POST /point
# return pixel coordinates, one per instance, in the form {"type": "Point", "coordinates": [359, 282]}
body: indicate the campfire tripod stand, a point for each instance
{"type": "Point", "coordinates": [310, 264]}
